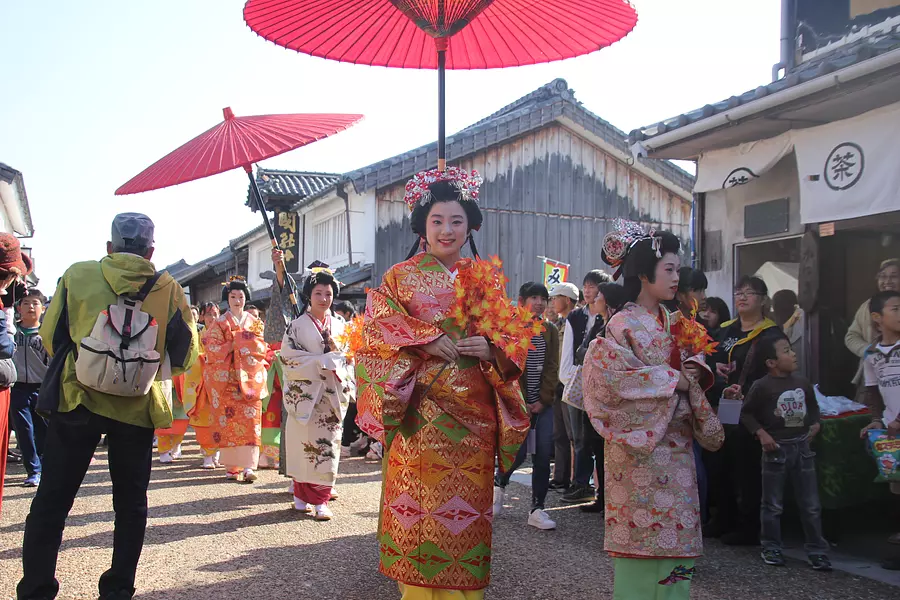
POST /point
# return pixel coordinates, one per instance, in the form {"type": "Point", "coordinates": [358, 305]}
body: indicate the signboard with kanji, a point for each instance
{"type": "Point", "coordinates": [288, 238]}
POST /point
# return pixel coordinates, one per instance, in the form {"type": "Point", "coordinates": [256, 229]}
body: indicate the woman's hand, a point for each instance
{"type": "Point", "coordinates": [725, 369]}
{"type": "Point", "coordinates": [536, 408]}
{"type": "Point", "coordinates": [733, 392]}
{"type": "Point", "coordinates": [277, 256]}
{"type": "Point", "coordinates": [873, 425]}
{"type": "Point", "coordinates": [683, 384]}
{"type": "Point", "coordinates": [476, 346]}
{"type": "Point", "coordinates": [442, 348]}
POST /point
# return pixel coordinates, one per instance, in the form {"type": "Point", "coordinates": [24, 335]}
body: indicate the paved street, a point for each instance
{"type": "Point", "coordinates": [209, 539]}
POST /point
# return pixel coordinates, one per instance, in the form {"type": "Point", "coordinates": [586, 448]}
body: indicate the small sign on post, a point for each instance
{"type": "Point", "coordinates": [554, 272]}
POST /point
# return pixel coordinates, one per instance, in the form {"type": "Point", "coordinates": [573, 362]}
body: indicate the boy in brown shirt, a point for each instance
{"type": "Point", "coordinates": [782, 412]}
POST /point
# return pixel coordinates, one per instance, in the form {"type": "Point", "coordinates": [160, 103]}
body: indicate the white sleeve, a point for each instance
{"type": "Point", "coordinates": [567, 360]}
{"type": "Point", "coordinates": [869, 375]}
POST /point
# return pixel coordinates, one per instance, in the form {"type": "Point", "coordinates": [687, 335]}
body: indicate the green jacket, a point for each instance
{"type": "Point", "coordinates": [86, 289]}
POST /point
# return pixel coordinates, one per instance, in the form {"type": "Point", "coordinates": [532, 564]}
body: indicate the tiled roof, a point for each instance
{"type": "Point", "coordinates": [820, 66]}
{"type": "Point", "coordinates": [292, 185]}
{"type": "Point", "coordinates": [186, 274]}
{"type": "Point", "coordinates": [547, 104]}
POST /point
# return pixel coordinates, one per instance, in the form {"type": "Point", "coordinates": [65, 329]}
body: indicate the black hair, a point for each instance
{"type": "Point", "coordinates": [720, 307]}
{"type": "Point", "coordinates": [766, 349]}
{"type": "Point", "coordinates": [205, 306]}
{"type": "Point", "coordinates": [32, 293]}
{"type": "Point", "coordinates": [754, 283]}
{"type": "Point", "coordinates": [596, 277]}
{"type": "Point", "coordinates": [345, 306]}
{"type": "Point", "coordinates": [784, 303]}
{"type": "Point", "coordinates": [444, 191]}
{"type": "Point", "coordinates": [691, 280]}
{"type": "Point", "coordinates": [642, 259]}
{"type": "Point", "coordinates": [878, 301]}
{"type": "Point", "coordinates": [614, 294]}
{"type": "Point", "coordinates": [236, 284]}
{"type": "Point", "coordinates": [318, 278]}
{"type": "Point", "coordinates": [531, 289]}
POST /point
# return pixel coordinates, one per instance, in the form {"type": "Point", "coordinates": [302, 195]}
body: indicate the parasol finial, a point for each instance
{"type": "Point", "coordinates": [229, 115]}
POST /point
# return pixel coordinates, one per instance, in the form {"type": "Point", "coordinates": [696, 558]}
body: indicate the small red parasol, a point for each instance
{"type": "Point", "coordinates": [239, 142]}
{"type": "Point", "coordinates": [466, 34]}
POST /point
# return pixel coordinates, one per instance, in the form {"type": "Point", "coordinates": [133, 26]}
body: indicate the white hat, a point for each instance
{"type": "Point", "coordinates": [569, 290]}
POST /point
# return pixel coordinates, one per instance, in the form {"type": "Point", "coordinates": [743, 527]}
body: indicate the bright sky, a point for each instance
{"type": "Point", "coordinates": [95, 91]}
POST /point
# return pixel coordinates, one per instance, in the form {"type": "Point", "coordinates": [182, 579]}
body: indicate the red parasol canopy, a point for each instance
{"type": "Point", "coordinates": [236, 142]}
{"type": "Point", "coordinates": [465, 34]}
{"type": "Point", "coordinates": [239, 142]}
{"type": "Point", "coordinates": [484, 34]}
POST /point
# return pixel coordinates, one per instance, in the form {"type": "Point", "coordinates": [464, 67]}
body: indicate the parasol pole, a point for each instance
{"type": "Point", "coordinates": [441, 45]}
{"type": "Point", "coordinates": [279, 267]}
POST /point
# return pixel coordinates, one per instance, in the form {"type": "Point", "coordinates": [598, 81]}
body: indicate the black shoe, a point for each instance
{"type": "Point", "coordinates": [740, 538]}
{"type": "Point", "coordinates": [597, 506]}
{"type": "Point", "coordinates": [579, 494]}
{"type": "Point", "coordinates": [820, 562]}
{"type": "Point", "coordinates": [556, 486]}
{"type": "Point", "coordinates": [775, 558]}
{"type": "Point", "coordinates": [891, 564]}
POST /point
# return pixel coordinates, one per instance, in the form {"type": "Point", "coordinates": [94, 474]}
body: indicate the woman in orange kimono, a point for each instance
{"type": "Point", "coordinates": [235, 375]}
{"type": "Point", "coordinates": [644, 393]}
{"type": "Point", "coordinates": [443, 407]}
{"type": "Point", "coordinates": [190, 404]}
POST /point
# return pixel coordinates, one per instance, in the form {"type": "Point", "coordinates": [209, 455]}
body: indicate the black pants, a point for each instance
{"type": "Point", "coordinates": [562, 441]}
{"type": "Point", "coordinates": [351, 429]}
{"type": "Point", "coordinates": [735, 481]}
{"type": "Point", "coordinates": [71, 441]}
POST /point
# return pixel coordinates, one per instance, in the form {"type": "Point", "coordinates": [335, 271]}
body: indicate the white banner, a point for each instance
{"type": "Point", "coordinates": [729, 167]}
{"type": "Point", "coordinates": [850, 168]}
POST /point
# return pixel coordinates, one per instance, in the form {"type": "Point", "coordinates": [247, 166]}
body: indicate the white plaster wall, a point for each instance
{"type": "Point", "coordinates": [725, 212]}
{"type": "Point", "coordinates": [362, 226]}
{"type": "Point", "coordinates": [259, 259]}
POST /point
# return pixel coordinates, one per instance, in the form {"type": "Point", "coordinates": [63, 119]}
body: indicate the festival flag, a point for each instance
{"type": "Point", "coordinates": [554, 272]}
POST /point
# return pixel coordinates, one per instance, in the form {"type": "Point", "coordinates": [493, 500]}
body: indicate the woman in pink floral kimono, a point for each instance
{"type": "Point", "coordinates": [645, 396]}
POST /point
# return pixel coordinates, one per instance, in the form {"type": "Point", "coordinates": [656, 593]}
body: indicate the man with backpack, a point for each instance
{"type": "Point", "coordinates": [115, 329]}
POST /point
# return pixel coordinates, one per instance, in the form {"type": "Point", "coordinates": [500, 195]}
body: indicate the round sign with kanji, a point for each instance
{"type": "Point", "coordinates": [844, 166]}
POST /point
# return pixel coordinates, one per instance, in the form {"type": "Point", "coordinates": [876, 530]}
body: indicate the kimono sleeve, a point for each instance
{"type": "Point", "coordinates": [629, 402]}
{"type": "Point", "coordinates": [386, 369]}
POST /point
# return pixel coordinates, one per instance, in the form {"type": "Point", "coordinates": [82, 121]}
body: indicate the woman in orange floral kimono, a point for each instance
{"type": "Point", "coordinates": [443, 407]}
{"type": "Point", "coordinates": [645, 396]}
{"type": "Point", "coordinates": [235, 375]}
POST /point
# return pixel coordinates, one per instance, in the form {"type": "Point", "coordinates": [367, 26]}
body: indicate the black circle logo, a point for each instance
{"type": "Point", "coordinates": [844, 166]}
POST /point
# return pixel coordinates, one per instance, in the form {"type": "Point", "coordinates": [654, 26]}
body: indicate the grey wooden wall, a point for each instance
{"type": "Point", "coordinates": [550, 193]}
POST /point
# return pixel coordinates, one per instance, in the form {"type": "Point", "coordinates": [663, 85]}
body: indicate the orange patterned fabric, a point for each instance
{"type": "Point", "coordinates": [235, 376]}
{"type": "Point", "coordinates": [438, 495]}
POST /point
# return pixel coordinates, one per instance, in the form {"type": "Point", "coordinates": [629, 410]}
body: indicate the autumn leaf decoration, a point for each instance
{"type": "Point", "coordinates": [481, 308]}
{"type": "Point", "coordinates": [353, 337]}
{"type": "Point", "coordinates": [691, 336]}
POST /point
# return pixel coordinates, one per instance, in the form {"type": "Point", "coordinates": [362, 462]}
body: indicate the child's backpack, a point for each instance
{"type": "Point", "coordinates": [120, 357]}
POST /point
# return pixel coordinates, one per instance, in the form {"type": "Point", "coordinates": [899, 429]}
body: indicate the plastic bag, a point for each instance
{"type": "Point", "coordinates": [887, 454]}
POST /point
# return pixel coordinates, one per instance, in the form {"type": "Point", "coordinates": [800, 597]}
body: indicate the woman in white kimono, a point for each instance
{"type": "Point", "coordinates": [318, 387]}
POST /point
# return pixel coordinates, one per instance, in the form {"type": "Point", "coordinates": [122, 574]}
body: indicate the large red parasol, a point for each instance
{"type": "Point", "coordinates": [239, 142]}
{"type": "Point", "coordinates": [466, 34]}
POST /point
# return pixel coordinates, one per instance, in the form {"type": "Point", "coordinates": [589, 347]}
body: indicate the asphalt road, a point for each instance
{"type": "Point", "coordinates": [209, 539]}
